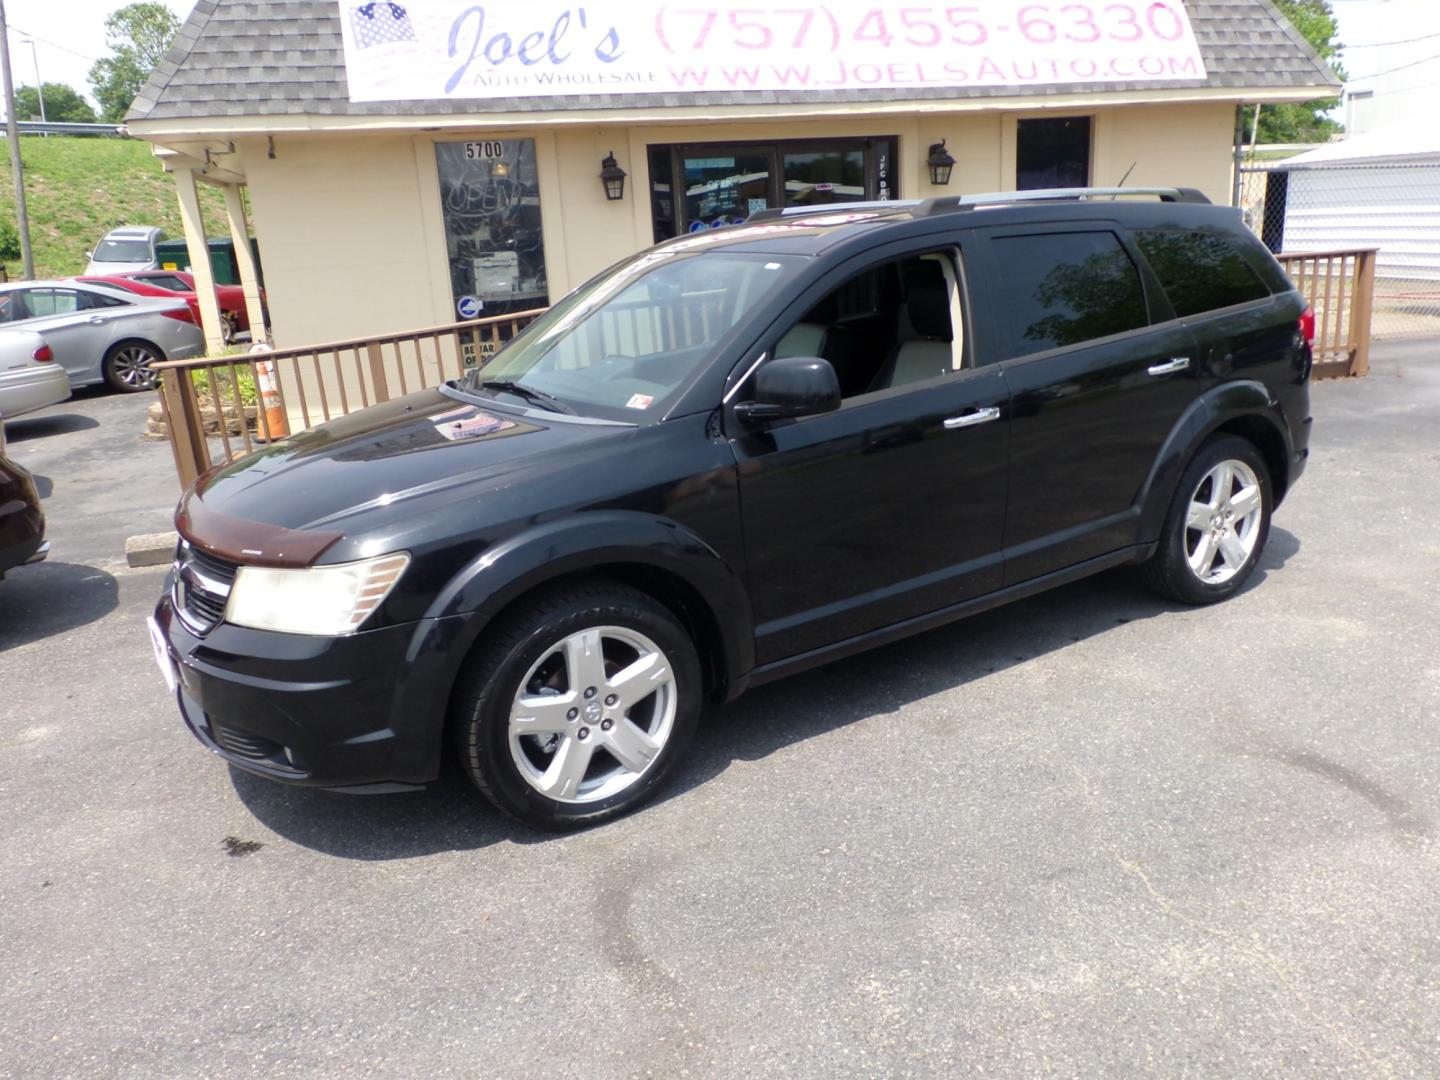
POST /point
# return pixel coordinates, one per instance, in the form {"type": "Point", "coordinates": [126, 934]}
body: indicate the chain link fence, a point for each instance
{"type": "Point", "coordinates": [1393, 209]}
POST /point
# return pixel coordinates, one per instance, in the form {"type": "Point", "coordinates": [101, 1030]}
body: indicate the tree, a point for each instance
{"type": "Point", "coordinates": [1315, 20]}
{"type": "Point", "coordinates": [138, 36]}
{"type": "Point", "coordinates": [63, 104]}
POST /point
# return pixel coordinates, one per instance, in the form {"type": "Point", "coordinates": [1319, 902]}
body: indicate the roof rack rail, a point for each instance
{"type": "Point", "coordinates": [944, 204]}
{"type": "Point", "coordinates": [774, 213]}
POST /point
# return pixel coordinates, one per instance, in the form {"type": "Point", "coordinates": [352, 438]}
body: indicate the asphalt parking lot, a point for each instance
{"type": "Point", "coordinates": [1089, 834]}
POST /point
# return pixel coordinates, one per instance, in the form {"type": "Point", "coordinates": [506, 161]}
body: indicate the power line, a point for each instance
{"type": "Point", "coordinates": [1378, 44]}
{"type": "Point", "coordinates": [1401, 67]}
{"type": "Point", "coordinates": [52, 44]}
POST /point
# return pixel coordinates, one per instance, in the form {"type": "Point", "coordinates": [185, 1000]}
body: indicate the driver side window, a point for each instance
{"type": "Point", "coordinates": [890, 325]}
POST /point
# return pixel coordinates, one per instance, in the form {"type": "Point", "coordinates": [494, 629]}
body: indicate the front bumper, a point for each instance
{"type": "Point", "coordinates": [364, 711]}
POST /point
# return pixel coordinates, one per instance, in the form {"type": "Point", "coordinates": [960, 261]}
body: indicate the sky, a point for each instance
{"type": "Point", "coordinates": [69, 36]}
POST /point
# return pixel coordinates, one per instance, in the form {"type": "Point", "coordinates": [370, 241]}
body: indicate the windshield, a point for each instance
{"type": "Point", "coordinates": [623, 346]}
{"type": "Point", "coordinates": [126, 251]}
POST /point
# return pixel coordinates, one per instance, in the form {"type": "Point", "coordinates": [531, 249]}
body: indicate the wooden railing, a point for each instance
{"type": "Point", "coordinates": [1340, 286]}
{"type": "Point", "coordinates": [217, 409]}
{"type": "Point", "coordinates": [210, 421]}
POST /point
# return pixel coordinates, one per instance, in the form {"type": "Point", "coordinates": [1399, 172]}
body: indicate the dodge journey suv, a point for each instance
{"type": "Point", "coordinates": [734, 456]}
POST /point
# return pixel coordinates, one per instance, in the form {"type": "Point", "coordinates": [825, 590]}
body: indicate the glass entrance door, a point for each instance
{"type": "Point", "coordinates": [724, 185]}
{"type": "Point", "coordinates": [817, 177]}
{"type": "Point", "coordinates": [710, 185]}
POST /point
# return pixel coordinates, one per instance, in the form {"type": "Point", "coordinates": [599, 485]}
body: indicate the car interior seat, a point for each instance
{"type": "Point", "coordinates": [819, 334]}
{"type": "Point", "coordinates": [925, 346]}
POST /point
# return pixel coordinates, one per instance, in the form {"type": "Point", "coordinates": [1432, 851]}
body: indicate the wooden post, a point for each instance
{"type": "Point", "coordinates": [377, 371]}
{"type": "Point", "coordinates": [198, 248]}
{"type": "Point", "coordinates": [182, 421]}
{"type": "Point", "coordinates": [245, 260]}
{"type": "Point", "coordinates": [1362, 311]}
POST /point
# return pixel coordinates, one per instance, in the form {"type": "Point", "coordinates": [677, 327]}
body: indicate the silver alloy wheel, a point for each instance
{"type": "Point", "coordinates": [1222, 523]}
{"type": "Point", "coordinates": [592, 714]}
{"type": "Point", "coordinates": [131, 365]}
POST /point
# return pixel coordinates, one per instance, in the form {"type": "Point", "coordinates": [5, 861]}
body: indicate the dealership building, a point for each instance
{"type": "Point", "coordinates": [404, 165]}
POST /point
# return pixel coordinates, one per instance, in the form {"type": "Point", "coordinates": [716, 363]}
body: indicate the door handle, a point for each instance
{"type": "Point", "coordinates": [95, 320]}
{"type": "Point", "coordinates": [1179, 363]}
{"type": "Point", "coordinates": [979, 416]}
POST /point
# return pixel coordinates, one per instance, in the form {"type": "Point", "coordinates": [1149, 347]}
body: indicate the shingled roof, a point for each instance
{"type": "Point", "coordinates": [275, 58]}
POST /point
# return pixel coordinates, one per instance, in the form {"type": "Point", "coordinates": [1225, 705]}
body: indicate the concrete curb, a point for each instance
{"type": "Point", "coordinates": [151, 549]}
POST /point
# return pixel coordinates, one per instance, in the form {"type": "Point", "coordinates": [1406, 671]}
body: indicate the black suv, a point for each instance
{"type": "Point", "coordinates": [737, 455]}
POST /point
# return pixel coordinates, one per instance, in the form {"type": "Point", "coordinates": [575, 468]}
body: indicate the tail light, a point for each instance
{"type": "Point", "coordinates": [1307, 325]}
{"type": "Point", "coordinates": [44, 354]}
{"type": "Point", "coordinates": [181, 313]}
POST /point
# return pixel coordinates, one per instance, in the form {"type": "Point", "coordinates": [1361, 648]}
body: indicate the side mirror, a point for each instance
{"type": "Point", "coordinates": [89, 254]}
{"type": "Point", "coordinates": [789, 387]}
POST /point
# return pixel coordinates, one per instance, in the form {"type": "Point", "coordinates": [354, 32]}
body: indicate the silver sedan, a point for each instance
{"type": "Point", "coordinates": [101, 334]}
{"type": "Point", "coordinates": [29, 376]}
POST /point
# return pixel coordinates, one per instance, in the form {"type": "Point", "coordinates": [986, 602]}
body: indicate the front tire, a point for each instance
{"type": "Point", "coordinates": [1217, 524]}
{"type": "Point", "coordinates": [126, 366]}
{"type": "Point", "coordinates": [578, 706]}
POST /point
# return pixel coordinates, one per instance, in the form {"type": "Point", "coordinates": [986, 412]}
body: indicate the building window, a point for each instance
{"type": "Point", "coordinates": [1052, 153]}
{"type": "Point", "coordinates": [490, 203]}
{"type": "Point", "coordinates": [710, 185]}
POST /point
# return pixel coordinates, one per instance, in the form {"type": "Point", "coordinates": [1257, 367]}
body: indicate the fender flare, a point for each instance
{"type": "Point", "coordinates": [529, 559]}
{"type": "Point", "coordinates": [1207, 413]}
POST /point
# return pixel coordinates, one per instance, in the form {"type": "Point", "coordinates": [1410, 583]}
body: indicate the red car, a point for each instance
{"type": "Point", "coordinates": [143, 288]}
{"type": "Point", "coordinates": [231, 297]}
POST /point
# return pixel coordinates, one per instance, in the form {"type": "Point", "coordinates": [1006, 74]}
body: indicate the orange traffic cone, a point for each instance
{"type": "Point", "coordinates": [275, 426]}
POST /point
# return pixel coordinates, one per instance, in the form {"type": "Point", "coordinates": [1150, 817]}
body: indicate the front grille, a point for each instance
{"type": "Point", "coordinates": [212, 565]}
{"type": "Point", "coordinates": [205, 607]}
{"type": "Point", "coordinates": [252, 747]}
{"type": "Point", "coordinates": [202, 586]}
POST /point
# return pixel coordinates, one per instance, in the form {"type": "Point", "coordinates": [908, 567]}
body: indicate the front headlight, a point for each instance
{"type": "Point", "coordinates": [326, 600]}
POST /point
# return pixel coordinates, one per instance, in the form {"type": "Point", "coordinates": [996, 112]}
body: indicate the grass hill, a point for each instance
{"type": "Point", "coordinates": [78, 188]}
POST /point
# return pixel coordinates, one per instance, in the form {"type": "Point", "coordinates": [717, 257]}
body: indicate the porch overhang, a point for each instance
{"type": "Point", "coordinates": [188, 128]}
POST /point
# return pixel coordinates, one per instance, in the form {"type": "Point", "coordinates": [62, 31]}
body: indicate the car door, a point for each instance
{"type": "Point", "coordinates": [892, 506]}
{"type": "Point", "coordinates": [78, 336]}
{"type": "Point", "coordinates": [1099, 373]}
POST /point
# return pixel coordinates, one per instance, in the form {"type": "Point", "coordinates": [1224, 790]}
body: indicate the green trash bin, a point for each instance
{"type": "Point", "coordinates": [175, 255]}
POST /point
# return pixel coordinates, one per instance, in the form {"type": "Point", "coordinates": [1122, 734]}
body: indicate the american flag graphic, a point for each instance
{"type": "Point", "coordinates": [380, 23]}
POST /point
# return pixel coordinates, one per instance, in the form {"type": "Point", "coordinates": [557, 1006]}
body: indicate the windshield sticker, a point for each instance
{"type": "Point", "coordinates": [640, 401]}
{"type": "Point", "coordinates": [469, 424]}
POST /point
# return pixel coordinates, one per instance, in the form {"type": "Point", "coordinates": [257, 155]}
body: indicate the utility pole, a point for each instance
{"type": "Point", "coordinates": [39, 86]}
{"type": "Point", "coordinates": [12, 134]}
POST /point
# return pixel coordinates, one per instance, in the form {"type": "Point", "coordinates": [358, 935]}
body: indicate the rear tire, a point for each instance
{"type": "Point", "coordinates": [1217, 524]}
{"type": "Point", "coordinates": [126, 366]}
{"type": "Point", "coordinates": [578, 705]}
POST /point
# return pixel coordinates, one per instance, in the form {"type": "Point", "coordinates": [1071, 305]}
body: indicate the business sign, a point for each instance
{"type": "Point", "coordinates": [434, 49]}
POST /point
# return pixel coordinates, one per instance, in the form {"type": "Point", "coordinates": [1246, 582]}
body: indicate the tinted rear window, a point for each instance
{"type": "Point", "coordinates": [1067, 288]}
{"type": "Point", "coordinates": [1199, 271]}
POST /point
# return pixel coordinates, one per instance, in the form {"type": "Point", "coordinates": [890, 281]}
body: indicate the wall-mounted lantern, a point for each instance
{"type": "Point", "coordinates": [941, 164]}
{"type": "Point", "coordinates": [613, 177]}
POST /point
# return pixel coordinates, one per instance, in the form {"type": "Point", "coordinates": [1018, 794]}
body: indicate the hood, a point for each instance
{"type": "Point", "coordinates": [287, 504]}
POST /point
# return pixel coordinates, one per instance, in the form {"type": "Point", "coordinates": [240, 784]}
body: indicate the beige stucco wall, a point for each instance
{"type": "Point", "coordinates": [350, 230]}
